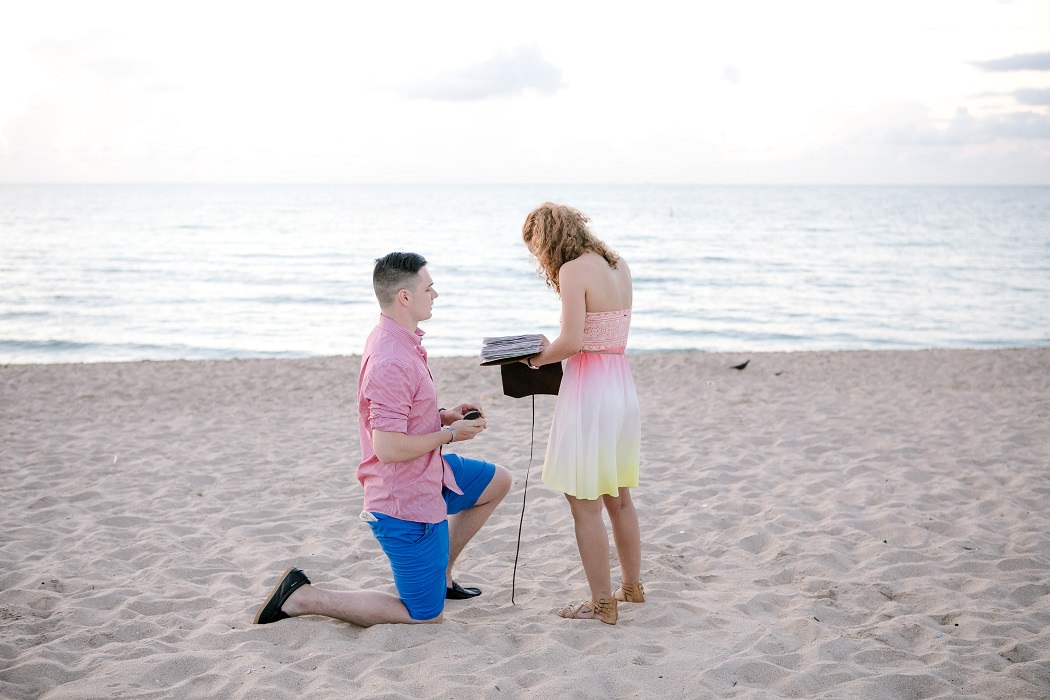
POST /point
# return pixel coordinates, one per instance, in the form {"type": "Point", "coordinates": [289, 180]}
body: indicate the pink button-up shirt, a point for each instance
{"type": "Point", "coordinates": [395, 394]}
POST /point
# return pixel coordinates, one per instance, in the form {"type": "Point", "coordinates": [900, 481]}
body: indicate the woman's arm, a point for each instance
{"type": "Point", "coordinates": [573, 315]}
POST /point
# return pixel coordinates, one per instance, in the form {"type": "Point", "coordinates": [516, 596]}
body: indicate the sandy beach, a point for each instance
{"type": "Point", "coordinates": [839, 525]}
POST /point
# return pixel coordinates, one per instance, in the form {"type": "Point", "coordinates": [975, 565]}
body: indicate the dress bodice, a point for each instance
{"type": "Point", "coordinates": [606, 331]}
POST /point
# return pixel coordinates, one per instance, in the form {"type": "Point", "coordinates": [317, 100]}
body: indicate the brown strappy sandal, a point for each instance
{"type": "Point", "coordinates": [630, 593]}
{"type": "Point", "coordinates": [603, 609]}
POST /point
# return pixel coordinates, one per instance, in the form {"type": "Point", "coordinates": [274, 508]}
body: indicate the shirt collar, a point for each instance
{"type": "Point", "coordinates": [415, 337]}
{"type": "Point", "coordinates": [390, 324]}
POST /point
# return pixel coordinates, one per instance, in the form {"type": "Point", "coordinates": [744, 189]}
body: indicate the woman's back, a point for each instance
{"type": "Point", "coordinates": [606, 288]}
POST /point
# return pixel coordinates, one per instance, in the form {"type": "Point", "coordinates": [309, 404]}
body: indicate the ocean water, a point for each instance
{"type": "Point", "coordinates": [93, 273]}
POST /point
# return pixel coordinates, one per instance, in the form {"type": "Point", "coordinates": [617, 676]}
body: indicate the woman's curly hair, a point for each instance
{"type": "Point", "coordinates": [558, 234]}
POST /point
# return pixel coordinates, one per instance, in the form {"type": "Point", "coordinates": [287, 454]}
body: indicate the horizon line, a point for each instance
{"type": "Point", "coordinates": [468, 183]}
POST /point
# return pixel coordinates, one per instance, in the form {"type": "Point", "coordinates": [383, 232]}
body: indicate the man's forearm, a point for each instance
{"type": "Point", "coordinates": [400, 447]}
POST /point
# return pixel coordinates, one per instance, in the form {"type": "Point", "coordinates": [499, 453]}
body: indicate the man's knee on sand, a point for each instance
{"type": "Point", "coordinates": [501, 483]}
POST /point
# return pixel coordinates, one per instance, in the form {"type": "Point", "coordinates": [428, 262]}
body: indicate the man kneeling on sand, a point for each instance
{"type": "Point", "coordinates": [423, 506]}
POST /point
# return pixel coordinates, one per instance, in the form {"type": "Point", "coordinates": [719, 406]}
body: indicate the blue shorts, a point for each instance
{"type": "Point", "coordinates": [418, 552]}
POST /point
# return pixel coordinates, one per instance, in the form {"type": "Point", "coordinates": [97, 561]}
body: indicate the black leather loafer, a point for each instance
{"type": "Point", "coordinates": [458, 592]}
{"type": "Point", "coordinates": [288, 584]}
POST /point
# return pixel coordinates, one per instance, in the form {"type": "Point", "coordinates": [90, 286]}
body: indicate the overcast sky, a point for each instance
{"type": "Point", "coordinates": [739, 91]}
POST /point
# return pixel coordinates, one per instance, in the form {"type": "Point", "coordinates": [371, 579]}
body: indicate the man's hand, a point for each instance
{"type": "Point", "coordinates": [465, 429]}
{"type": "Point", "coordinates": [451, 415]}
{"type": "Point", "coordinates": [468, 429]}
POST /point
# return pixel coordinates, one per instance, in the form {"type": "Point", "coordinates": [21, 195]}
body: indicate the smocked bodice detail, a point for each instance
{"type": "Point", "coordinates": [606, 331]}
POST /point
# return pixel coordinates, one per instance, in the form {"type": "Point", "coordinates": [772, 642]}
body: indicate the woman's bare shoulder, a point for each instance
{"type": "Point", "coordinates": [581, 264]}
{"type": "Point", "coordinates": [590, 259]}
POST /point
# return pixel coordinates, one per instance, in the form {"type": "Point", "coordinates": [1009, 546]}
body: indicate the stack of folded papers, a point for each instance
{"type": "Point", "coordinates": [509, 348]}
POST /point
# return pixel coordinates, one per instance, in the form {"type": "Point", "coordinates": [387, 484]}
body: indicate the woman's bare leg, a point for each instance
{"type": "Point", "coordinates": [626, 535]}
{"type": "Point", "coordinates": [593, 543]}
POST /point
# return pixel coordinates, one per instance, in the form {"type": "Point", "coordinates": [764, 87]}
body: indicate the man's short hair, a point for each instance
{"type": "Point", "coordinates": [392, 271]}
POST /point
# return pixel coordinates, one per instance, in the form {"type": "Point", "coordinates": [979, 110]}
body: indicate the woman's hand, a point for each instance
{"type": "Point", "coordinates": [530, 359]}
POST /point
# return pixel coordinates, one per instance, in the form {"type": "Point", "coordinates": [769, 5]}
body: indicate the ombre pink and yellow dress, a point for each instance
{"type": "Point", "coordinates": [595, 435]}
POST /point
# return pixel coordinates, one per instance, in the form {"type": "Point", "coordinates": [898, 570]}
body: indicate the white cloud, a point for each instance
{"type": "Point", "coordinates": [1018, 62]}
{"type": "Point", "coordinates": [508, 73]}
{"type": "Point", "coordinates": [731, 74]}
{"type": "Point", "coordinates": [1033, 96]}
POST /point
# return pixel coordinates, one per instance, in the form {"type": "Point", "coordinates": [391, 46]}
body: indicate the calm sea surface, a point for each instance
{"type": "Point", "coordinates": [102, 273]}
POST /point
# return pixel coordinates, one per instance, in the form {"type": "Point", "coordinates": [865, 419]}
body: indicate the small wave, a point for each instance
{"type": "Point", "coordinates": [64, 351]}
{"type": "Point", "coordinates": [49, 345]}
{"type": "Point", "coordinates": [282, 300]}
{"type": "Point", "coordinates": [16, 315]}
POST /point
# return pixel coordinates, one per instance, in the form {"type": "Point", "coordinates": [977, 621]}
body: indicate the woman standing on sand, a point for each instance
{"type": "Point", "coordinates": [593, 451]}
